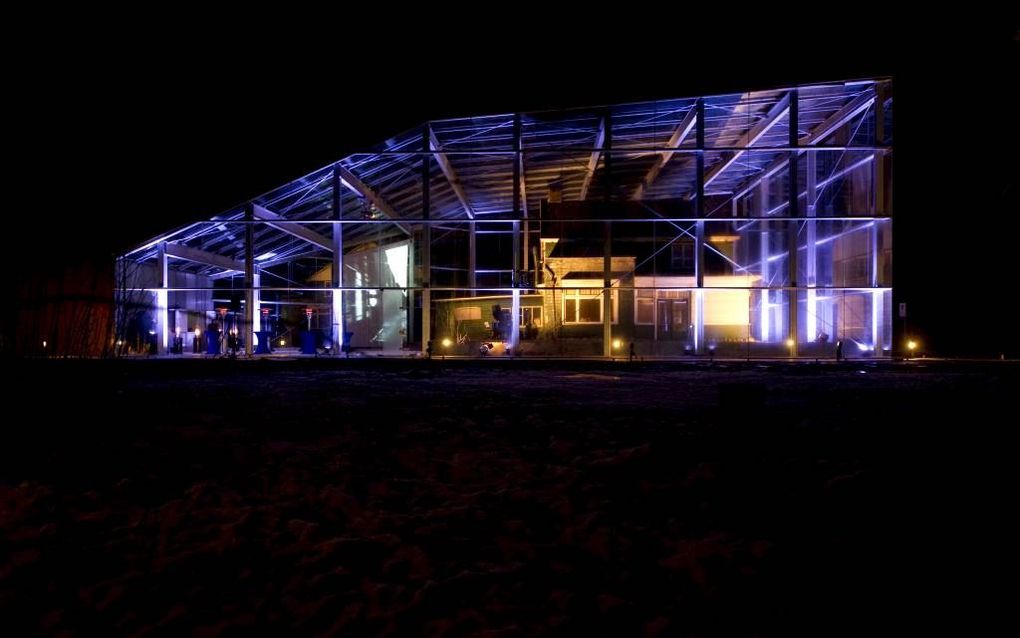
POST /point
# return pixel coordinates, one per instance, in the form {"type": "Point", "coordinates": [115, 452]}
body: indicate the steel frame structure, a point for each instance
{"type": "Point", "coordinates": [795, 174]}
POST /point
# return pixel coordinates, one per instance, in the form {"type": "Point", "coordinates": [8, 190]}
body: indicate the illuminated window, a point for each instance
{"type": "Point", "coordinates": [584, 305]}
{"type": "Point", "coordinates": [531, 315]}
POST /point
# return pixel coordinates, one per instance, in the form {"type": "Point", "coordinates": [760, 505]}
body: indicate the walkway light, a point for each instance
{"type": "Point", "coordinates": [911, 345]}
{"type": "Point", "coordinates": [789, 343]}
{"type": "Point", "coordinates": [446, 342]}
{"type": "Point", "coordinates": [616, 344]}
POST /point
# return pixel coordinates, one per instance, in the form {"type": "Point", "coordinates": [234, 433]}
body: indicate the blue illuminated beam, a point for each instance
{"type": "Point", "coordinates": [682, 131]}
{"type": "Point", "coordinates": [296, 230]}
{"type": "Point", "coordinates": [450, 174]}
{"type": "Point", "coordinates": [829, 126]}
{"type": "Point", "coordinates": [197, 255]}
{"type": "Point", "coordinates": [360, 188]}
{"type": "Point", "coordinates": [593, 161]}
{"type": "Point", "coordinates": [755, 133]}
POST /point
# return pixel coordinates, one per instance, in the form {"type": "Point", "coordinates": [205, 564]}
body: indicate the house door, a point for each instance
{"type": "Point", "coordinates": [674, 318]}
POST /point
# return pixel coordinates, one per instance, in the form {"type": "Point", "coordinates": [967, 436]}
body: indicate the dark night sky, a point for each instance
{"type": "Point", "coordinates": [119, 137]}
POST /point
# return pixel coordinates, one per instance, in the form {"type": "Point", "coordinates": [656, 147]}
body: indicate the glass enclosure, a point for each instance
{"type": "Point", "coordinates": [747, 225]}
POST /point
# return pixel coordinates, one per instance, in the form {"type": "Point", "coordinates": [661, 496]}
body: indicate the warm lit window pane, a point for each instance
{"type": "Point", "coordinates": [589, 310]}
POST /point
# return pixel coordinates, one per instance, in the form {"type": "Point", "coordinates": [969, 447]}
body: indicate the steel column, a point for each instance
{"type": "Point", "coordinates": [515, 319]}
{"type": "Point", "coordinates": [699, 237]}
{"type": "Point", "coordinates": [766, 295]}
{"type": "Point", "coordinates": [162, 313]}
{"type": "Point", "coordinates": [811, 249]}
{"type": "Point", "coordinates": [426, 253]}
{"type": "Point", "coordinates": [607, 240]}
{"type": "Point", "coordinates": [337, 271]}
{"type": "Point", "coordinates": [792, 239]}
{"type": "Point", "coordinates": [249, 280]}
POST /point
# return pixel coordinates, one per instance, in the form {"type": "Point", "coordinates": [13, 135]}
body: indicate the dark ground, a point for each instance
{"type": "Point", "coordinates": [503, 499]}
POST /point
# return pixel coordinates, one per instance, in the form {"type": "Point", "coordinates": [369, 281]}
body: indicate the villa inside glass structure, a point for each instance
{"type": "Point", "coordinates": [755, 224]}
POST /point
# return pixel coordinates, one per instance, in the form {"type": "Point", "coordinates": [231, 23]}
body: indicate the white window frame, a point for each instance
{"type": "Point", "coordinates": [588, 293]}
{"type": "Point", "coordinates": [520, 319]}
{"type": "Point", "coordinates": [653, 298]}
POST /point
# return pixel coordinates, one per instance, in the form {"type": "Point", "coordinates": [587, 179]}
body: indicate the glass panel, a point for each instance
{"type": "Point", "coordinates": [480, 323]}
{"type": "Point", "coordinates": [727, 315]}
{"type": "Point", "coordinates": [834, 253]}
{"type": "Point", "coordinates": [654, 125]}
{"type": "Point", "coordinates": [837, 114]}
{"type": "Point", "coordinates": [843, 183]}
{"type": "Point", "coordinates": [747, 253]}
{"type": "Point", "coordinates": [483, 133]}
{"type": "Point", "coordinates": [566, 129]}
{"type": "Point", "coordinates": [396, 179]}
{"type": "Point", "coordinates": [555, 180]}
{"type": "Point", "coordinates": [860, 319]}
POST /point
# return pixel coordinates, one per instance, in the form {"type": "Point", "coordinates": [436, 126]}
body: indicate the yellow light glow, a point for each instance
{"type": "Point", "coordinates": [44, 344]}
{"type": "Point", "coordinates": [912, 344]}
{"type": "Point", "coordinates": [726, 307]}
{"type": "Point", "coordinates": [447, 343]}
{"type": "Point", "coordinates": [282, 342]}
{"type": "Point", "coordinates": [198, 331]}
{"type": "Point", "coordinates": [789, 343]}
{"type": "Point", "coordinates": [616, 344]}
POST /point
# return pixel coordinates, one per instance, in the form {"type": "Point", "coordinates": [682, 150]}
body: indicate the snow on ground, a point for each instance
{"type": "Point", "coordinates": [476, 498]}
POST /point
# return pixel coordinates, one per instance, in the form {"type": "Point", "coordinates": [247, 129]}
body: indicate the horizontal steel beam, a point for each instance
{"type": "Point", "coordinates": [187, 253]}
{"type": "Point", "coordinates": [296, 230]}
